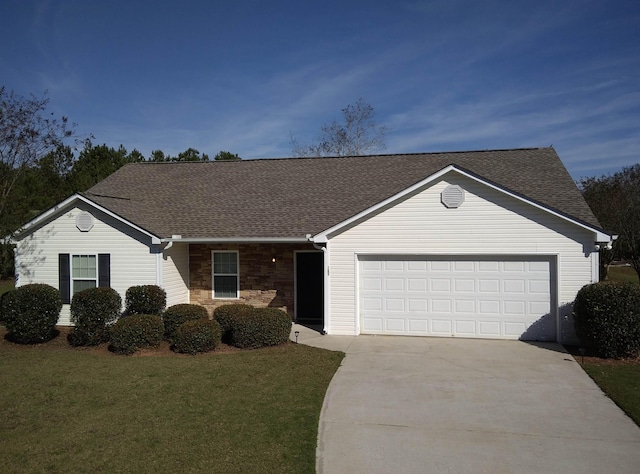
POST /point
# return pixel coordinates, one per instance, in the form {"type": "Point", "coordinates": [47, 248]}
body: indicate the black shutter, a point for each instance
{"type": "Point", "coordinates": [64, 278]}
{"type": "Point", "coordinates": [104, 269]}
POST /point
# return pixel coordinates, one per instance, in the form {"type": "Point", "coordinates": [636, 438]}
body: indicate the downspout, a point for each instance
{"type": "Point", "coordinates": [326, 327]}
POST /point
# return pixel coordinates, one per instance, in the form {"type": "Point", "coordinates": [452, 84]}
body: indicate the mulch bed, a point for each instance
{"type": "Point", "coordinates": [59, 343]}
{"type": "Point", "coordinates": [590, 359]}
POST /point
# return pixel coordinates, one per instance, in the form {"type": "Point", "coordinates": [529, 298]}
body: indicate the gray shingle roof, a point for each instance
{"type": "Point", "coordinates": [289, 198]}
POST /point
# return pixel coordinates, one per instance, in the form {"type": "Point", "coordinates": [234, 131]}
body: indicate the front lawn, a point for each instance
{"type": "Point", "coordinates": [82, 410]}
{"type": "Point", "coordinates": [622, 273]}
{"type": "Point", "coordinates": [619, 380]}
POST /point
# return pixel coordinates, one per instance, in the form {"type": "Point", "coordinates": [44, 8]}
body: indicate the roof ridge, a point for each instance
{"type": "Point", "coordinates": [487, 150]}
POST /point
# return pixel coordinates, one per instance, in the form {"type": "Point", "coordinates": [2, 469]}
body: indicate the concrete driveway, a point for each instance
{"type": "Point", "coordinates": [404, 405]}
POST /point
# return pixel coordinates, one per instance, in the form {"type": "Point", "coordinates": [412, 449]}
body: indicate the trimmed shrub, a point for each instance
{"type": "Point", "coordinates": [263, 327]}
{"type": "Point", "coordinates": [607, 318]}
{"type": "Point", "coordinates": [2, 297]}
{"type": "Point", "coordinates": [92, 310]}
{"type": "Point", "coordinates": [145, 299]}
{"type": "Point", "coordinates": [199, 335]}
{"type": "Point", "coordinates": [30, 313]}
{"type": "Point", "coordinates": [134, 332]}
{"type": "Point", "coordinates": [177, 314]}
{"type": "Point", "coordinates": [227, 314]}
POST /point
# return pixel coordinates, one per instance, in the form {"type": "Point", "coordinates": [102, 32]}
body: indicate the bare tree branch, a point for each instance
{"type": "Point", "coordinates": [358, 134]}
{"type": "Point", "coordinates": [26, 135]}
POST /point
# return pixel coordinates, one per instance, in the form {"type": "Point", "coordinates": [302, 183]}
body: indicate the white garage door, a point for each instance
{"type": "Point", "coordinates": [499, 297]}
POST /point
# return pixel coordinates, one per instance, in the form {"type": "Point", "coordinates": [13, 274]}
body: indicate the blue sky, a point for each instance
{"type": "Point", "coordinates": [243, 76]}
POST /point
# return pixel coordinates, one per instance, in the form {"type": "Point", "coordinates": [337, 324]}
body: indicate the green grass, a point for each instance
{"type": "Point", "coordinates": [621, 383]}
{"type": "Point", "coordinates": [622, 274]}
{"type": "Point", "coordinates": [77, 411]}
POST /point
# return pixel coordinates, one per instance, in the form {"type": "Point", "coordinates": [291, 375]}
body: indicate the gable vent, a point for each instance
{"type": "Point", "coordinates": [453, 196]}
{"type": "Point", "coordinates": [84, 222]}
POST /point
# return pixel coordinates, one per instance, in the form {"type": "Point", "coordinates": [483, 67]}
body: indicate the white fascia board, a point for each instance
{"type": "Point", "coordinates": [242, 240]}
{"type": "Point", "coordinates": [324, 236]}
{"type": "Point", "coordinates": [70, 201]}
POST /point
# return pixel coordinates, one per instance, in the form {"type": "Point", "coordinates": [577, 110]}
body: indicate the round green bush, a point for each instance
{"type": "Point", "coordinates": [2, 298]}
{"type": "Point", "coordinates": [92, 310]}
{"type": "Point", "coordinates": [136, 331]}
{"type": "Point", "coordinates": [198, 335]}
{"type": "Point", "coordinates": [607, 318]}
{"type": "Point", "coordinates": [145, 299]}
{"type": "Point", "coordinates": [263, 327]}
{"type": "Point", "coordinates": [30, 313]}
{"type": "Point", "coordinates": [177, 314]}
{"type": "Point", "coordinates": [227, 314]}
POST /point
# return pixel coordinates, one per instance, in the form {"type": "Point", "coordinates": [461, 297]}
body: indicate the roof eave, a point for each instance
{"type": "Point", "coordinates": [228, 240]}
{"type": "Point", "coordinates": [70, 201]}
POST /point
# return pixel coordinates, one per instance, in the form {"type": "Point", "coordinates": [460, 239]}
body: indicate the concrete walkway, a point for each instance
{"type": "Point", "coordinates": [409, 405]}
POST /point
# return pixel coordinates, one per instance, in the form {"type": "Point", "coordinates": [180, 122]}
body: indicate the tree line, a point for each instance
{"type": "Point", "coordinates": [43, 161]}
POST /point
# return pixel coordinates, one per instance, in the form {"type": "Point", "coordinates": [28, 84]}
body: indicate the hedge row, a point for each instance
{"type": "Point", "coordinates": [247, 327]}
{"type": "Point", "coordinates": [30, 313]}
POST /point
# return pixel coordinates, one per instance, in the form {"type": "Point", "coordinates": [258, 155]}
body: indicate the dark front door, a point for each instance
{"type": "Point", "coordinates": [309, 287]}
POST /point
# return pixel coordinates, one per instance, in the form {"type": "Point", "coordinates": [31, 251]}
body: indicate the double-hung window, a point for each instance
{"type": "Point", "coordinates": [77, 272]}
{"type": "Point", "coordinates": [225, 274]}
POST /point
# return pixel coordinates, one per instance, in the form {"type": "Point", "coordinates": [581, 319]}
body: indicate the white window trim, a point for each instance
{"type": "Point", "coordinates": [72, 279]}
{"type": "Point", "coordinates": [214, 274]}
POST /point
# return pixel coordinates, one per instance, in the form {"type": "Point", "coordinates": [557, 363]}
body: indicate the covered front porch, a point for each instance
{"type": "Point", "coordinates": [288, 276]}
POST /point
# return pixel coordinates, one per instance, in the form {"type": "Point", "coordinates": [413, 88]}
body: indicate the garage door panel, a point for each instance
{"type": "Point", "coordinates": [442, 327]}
{"type": "Point", "coordinates": [416, 266]}
{"type": "Point", "coordinates": [418, 305]}
{"type": "Point", "coordinates": [461, 298]}
{"type": "Point", "coordinates": [465, 306]}
{"type": "Point", "coordinates": [490, 328]}
{"type": "Point", "coordinates": [394, 304]}
{"type": "Point", "coordinates": [418, 326]}
{"type": "Point", "coordinates": [440, 284]}
{"type": "Point", "coordinates": [464, 266]}
{"type": "Point", "coordinates": [395, 325]}
{"type": "Point", "coordinates": [488, 286]}
{"type": "Point", "coordinates": [373, 324]}
{"type": "Point", "coordinates": [371, 304]}
{"type": "Point", "coordinates": [465, 328]}
{"type": "Point", "coordinates": [515, 308]}
{"type": "Point", "coordinates": [440, 306]}
{"type": "Point", "coordinates": [417, 284]}
{"type": "Point", "coordinates": [489, 307]}
{"type": "Point", "coordinates": [514, 286]}
{"type": "Point", "coordinates": [437, 266]}
{"type": "Point", "coordinates": [540, 287]}
{"type": "Point", "coordinates": [514, 329]}
{"type": "Point", "coordinates": [514, 266]}
{"type": "Point", "coordinates": [394, 284]}
{"type": "Point", "coordinates": [391, 265]}
{"type": "Point", "coordinates": [464, 286]}
{"type": "Point", "coordinates": [374, 284]}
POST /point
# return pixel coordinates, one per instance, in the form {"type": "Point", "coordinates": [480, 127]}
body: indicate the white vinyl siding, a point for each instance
{"type": "Point", "coordinates": [175, 274]}
{"type": "Point", "coordinates": [489, 222]}
{"type": "Point", "coordinates": [132, 259]}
